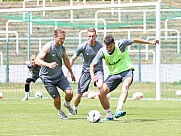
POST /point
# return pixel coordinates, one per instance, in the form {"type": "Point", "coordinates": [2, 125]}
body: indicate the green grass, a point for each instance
{"type": "Point", "coordinates": [16, 90]}
{"type": "Point", "coordinates": [39, 118]}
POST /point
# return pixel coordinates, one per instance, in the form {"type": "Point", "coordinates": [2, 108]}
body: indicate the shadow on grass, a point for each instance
{"type": "Point", "coordinates": [139, 120]}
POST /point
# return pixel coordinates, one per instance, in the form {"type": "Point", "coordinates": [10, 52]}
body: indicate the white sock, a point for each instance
{"type": "Point", "coordinates": [67, 103]}
{"type": "Point", "coordinates": [60, 111]}
{"type": "Point", "coordinates": [27, 94]}
{"type": "Point", "coordinates": [108, 113]}
{"type": "Point", "coordinates": [120, 106]}
{"type": "Point", "coordinates": [75, 108]}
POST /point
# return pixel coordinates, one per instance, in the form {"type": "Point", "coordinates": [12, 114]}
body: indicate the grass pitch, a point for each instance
{"type": "Point", "coordinates": [37, 117]}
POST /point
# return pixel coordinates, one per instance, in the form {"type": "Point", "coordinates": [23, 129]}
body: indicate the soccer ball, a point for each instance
{"type": "Point", "coordinates": [178, 93]}
{"type": "Point", "coordinates": [1, 95]}
{"type": "Point", "coordinates": [91, 95]}
{"type": "Point", "coordinates": [38, 94]}
{"type": "Point", "coordinates": [138, 96]}
{"type": "Point", "coordinates": [94, 116]}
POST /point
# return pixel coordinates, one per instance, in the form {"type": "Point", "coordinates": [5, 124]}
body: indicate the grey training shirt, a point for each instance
{"type": "Point", "coordinates": [89, 52]}
{"type": "Point", "coordinates": [55, 55]}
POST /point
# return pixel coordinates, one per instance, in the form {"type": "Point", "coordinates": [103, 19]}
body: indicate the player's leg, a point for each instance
{"type": "Point", "coordinates": [109, 85]}
{"type": "Point", "coordinates": [127, 81]}
{"type": "Point", "coordinates": [27, 89]}
{"type": "Point", "coordinates": [52, 90]}
{"type": "Point", "coordinates": [77, 100]}
{"type": "Point", "coordinates": [64, 85]}
{"type": "Point", "coordinates": [105, 103]}
{"type": "Point", "coordinates": [57, 105]}
{"type": "Point", "coordinates": [83, 86]}
{"type": "Point", "coordinates": [99, 83]}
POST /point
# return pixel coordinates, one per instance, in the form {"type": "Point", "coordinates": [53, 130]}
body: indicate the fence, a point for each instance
{"type": "Point", "coordinates": [110, 24]}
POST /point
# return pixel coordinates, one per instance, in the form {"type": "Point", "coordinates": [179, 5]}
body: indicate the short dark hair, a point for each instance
{"type": "Point", "coordinates": [108, 40]}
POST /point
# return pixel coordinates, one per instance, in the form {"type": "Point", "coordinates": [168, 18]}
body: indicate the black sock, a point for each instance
{"type": "Point", "coordinates": [27, 87]}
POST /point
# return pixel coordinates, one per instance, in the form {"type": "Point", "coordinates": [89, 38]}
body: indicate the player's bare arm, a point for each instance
{"type": "Point", "coordinates": [72, 60]}
{"type": "Point", "coordinates": [40, 57]}
{"type": "Point", "coordinates": [142, 41]}
{"type": "Point", "coordinates": [67, 64]}
{"type": "Point", "coordinates": [93, 77]}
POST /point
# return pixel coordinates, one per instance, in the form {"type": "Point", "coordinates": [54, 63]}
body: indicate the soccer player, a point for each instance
{"type": "Point", "coordinates": [120, 70]}
{"type": "Point", "coordinates": [88, 49]}
{"type": "Point", "coordinates": [34, 71]}
{"type": "Point", "coordinates": [50, 59]}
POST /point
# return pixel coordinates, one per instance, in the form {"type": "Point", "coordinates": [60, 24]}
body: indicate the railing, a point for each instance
{"type": "Point", "coordinates": [146, 51]}
{"type": "Point", "coordinates": [1, 58]}
{"type": "Point", "coordinates": [126, 11]}
{"type": "Point", "coordinates": [174, 37]}
{"type": "Point", "coordinates": [39, 39]}
{"type": "Point", "coordinates": [17, 37]}
{"type": "Point", "coordinates": [178, 33]}
{"type": "Point", "coordinates": [37, 4]}
{"type": "Point", "coordinates": [119, 11]}
{"type": "Point", "coordinates": [137, 30]}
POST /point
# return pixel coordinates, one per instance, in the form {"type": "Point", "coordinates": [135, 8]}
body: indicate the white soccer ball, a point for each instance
{"type": "Point", "coordinates": [1, 95]}
{"type": "Point", "coordinates": [137, 96]}
{"type": "Point", "coordinates": [91, 95]}
{"type": "Point", "coordinates": [94, 116]}
{"type": "Point", "coordinates": [38, 94]}
{"type": "Point", "coordinates": [178, 93]}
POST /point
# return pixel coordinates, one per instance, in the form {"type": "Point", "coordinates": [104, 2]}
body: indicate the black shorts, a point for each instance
{"type": "Point", "coordinates": [113, 81]}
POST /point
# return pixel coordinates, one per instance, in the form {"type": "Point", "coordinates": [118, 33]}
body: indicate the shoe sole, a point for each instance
{"type": "Point", "coordinates": [106, 119]}
{"type": "Point", "coordinates": [61, 117]}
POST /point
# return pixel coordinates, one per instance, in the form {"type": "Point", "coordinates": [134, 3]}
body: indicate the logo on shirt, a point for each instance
{"type": "Point", "coordinates": [114, 62]}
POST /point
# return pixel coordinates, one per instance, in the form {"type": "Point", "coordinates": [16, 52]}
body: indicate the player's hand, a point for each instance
{"type": "Point", "coordinates": [52, 65]}
{"type": "Point", "coordinates": [99, 84]}
{"type": "Point", "coordinates": [155, 41]}
{"type": "Point", "coordinates": [73, 77]}
{"type": "Point", "coordinates": [94, 79]}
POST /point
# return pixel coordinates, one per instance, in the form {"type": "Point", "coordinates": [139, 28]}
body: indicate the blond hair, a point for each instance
{"type": "Point", "coordinates": [33, 57]}
{"type": "Point", "coordinates": [58, 31]}
{"type": "Point", "coordinates": [91, 30]}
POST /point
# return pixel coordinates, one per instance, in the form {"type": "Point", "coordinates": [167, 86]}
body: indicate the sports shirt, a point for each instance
{"type": "Point", "coordinates": [88, 53]}
{"type": "Point", "coordinates": [118, 60]}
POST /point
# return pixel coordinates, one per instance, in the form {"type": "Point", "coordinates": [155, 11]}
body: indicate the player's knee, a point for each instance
{"type": "Point", "coordinates": [69, 92]}
{"type": "Point", "coordinates": [28, 80]}
{"type": "Point", "coordinates": [57, 99]}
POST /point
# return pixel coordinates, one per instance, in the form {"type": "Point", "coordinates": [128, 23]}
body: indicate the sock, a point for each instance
{"type": "Point", "coordinates": [27, 94]}
{"type": "Point", "coordinates": [74, 107]}
{"type": "Point", "coordinates": [108, 113]}
{"type": "Point", "coordinates": [120, 106]}
{"type": "Point", "coordinates": [27, 87]}
{"type": "Point", "coordinates": [60, 111]}
{"type": "Point", "coordinates": [67, 103]}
